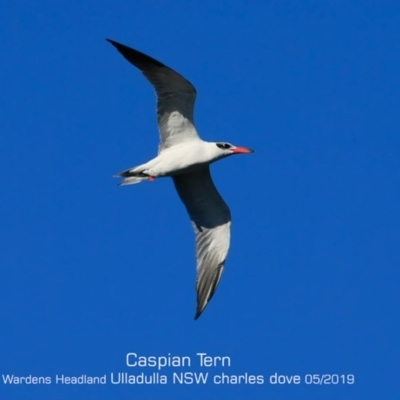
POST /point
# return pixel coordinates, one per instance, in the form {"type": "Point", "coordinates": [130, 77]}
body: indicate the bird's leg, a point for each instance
{"type": "Point", "coordinates": [151, 178]}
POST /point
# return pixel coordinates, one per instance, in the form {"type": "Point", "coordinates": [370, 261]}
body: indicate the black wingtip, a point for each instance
{"type": "Point", "coordinates": [137, 58]}
{"type": "Point", "coordinates": [198, 313]}
{"type": "Point", "coordinates": [113, 42]}
{"type": "Point", "coordinates": [117, 45]}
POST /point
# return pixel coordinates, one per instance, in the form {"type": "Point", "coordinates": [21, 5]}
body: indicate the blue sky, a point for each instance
{"type": "Point", "coordinates": [91, 271]}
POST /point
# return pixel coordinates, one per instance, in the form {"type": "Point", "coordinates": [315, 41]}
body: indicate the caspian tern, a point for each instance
{"type": "Point", "coordinates": [183, 156]}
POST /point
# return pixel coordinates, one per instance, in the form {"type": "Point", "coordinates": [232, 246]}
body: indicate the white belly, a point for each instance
{"type": "Point", "coordinates": [178, 159]}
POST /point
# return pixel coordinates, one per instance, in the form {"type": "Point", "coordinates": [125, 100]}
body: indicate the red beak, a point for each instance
{"type": "Point", "coordinates": [242, 150]}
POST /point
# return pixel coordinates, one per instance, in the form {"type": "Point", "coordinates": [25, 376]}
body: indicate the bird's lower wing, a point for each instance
{"type": "Point", "coordinates": [211, 220]}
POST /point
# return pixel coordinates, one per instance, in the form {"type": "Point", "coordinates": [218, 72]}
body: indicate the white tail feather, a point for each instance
{"type": "Point", "coordinates": [131, 180]}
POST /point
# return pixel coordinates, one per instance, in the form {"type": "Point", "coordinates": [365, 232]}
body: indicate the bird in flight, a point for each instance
{"type": "Point", "coordinates": [184, 157]}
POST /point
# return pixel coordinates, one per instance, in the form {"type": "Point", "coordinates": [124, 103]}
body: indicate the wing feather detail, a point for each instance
{"type": "Point", "coordinates": [211, 219]}
{"type": "Point", "coordinates": [176, 97]}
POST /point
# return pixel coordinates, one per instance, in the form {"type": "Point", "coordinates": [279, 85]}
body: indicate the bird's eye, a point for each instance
{"type": "Point", "coordinates": [224, 146]}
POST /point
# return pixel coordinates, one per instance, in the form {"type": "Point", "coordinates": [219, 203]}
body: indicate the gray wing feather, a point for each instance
{"type": "Point", "coordinates": [211, 221]}
{"type": "Point", "coordinates": [175, 97]}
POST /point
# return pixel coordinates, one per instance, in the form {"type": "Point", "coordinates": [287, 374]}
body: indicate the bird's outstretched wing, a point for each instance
{"type": "Point", "coordinates": [211, 220]}
{"type": "Point", "coordinates": [175, 97]}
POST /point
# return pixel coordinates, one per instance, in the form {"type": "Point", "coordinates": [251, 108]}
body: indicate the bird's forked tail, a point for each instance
{"type": "Point", "coordinates": [132, 176]}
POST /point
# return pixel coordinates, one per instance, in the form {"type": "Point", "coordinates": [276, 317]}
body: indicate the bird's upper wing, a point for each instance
{"type": "Point", "coordinates": [175, 97]}
{"type": "Point", "coordinates": [211, 220]}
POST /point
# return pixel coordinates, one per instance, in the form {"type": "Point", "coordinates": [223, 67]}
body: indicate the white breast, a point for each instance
{"type": "Point", "coordinates": [181, 157]}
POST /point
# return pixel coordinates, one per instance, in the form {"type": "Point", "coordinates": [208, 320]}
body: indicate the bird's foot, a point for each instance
{"type": "Point", "coordinates": [151, 178]}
